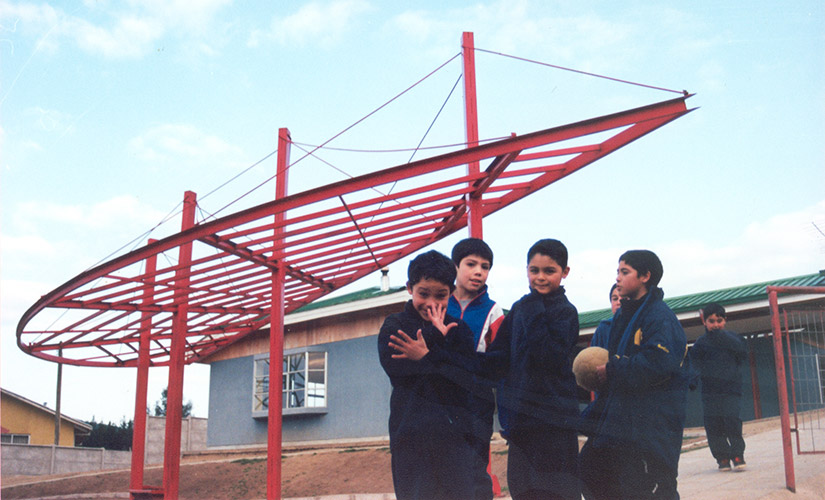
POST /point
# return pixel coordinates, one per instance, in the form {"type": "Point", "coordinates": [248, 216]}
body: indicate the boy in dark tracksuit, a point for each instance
{"type": "Point", "coordinates": [470, 302]}
{"type": "Point", "coordinates": [533, 350]}
{"type": "Point", "coordinates": [431, 362]}
{"type": "Point", "coordinates": [633, 451]}
{"type": "Point", "coordinates": [718, 355]}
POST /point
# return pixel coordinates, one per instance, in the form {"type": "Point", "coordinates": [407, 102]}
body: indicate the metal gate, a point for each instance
{"type": "Point", "coordinates": [799, 349]}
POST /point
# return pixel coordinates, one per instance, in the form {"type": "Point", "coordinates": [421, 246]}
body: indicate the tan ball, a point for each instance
{"type": "Point", "coordinates": [584, 367]}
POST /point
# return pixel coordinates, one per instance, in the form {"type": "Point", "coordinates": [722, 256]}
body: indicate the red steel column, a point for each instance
{"type": "Point", "coordinates": [174, 397]}
{"type": "Point", "coordinates": [782, 390]}
{"type": "Point", "coordinates": [276, 331]}
{"type": "Point", "coordinates": [468, 53]}
{"type": "Point", "coordinates": [139, 427]}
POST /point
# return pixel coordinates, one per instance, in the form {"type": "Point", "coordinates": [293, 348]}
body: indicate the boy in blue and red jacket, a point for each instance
{"type": "Point", "coordinates": [634, 449]}
{"type": "Point", "coordinates": [470, 302]}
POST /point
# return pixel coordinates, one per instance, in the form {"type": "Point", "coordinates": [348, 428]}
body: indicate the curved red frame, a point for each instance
{"type": "Point", "coordinates": [332, 236]}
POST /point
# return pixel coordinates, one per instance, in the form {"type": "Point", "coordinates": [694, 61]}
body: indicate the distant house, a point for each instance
{"type": "Point", "coordinates": [26, 422]}
{"type": "Point", "coordinates": [334, 387]}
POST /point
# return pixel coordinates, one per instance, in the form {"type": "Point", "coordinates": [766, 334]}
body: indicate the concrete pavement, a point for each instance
{"type": "Point", "coordinates": [763, 478]}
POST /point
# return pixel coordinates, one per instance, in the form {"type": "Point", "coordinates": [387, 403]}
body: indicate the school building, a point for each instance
{"type": "Point", "coordinates": [335, 390]}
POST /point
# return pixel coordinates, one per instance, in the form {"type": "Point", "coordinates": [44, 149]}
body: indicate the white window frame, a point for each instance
{"type": "Point", "coordinates": [295, 384]}
{"type": "Point", "coordinates": [15, 438]}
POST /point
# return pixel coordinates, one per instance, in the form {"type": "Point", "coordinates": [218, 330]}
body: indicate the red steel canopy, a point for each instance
{"type": "Point", "coordinates": [326, 238]}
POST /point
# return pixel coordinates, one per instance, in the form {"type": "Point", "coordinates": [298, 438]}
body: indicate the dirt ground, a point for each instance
{"type": "Point", "coordinates": [314, 472]}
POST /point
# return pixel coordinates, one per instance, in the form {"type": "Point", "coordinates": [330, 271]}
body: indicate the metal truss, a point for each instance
{"type": "Point", "coordinates": [323, 239]}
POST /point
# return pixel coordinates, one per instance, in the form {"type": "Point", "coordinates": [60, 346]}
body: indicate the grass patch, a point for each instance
{"type": "Point", "coordinates": [247, 461]}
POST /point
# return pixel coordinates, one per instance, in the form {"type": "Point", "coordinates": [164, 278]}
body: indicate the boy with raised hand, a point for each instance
{"type": "Point", "coordinates": [533, 351]}
{"type": "Point", "coordinates": [719, 355]}
{"type": "Point", "coordinates": [634, 452]}
{"type": "Point", "coordinates": [470, 302]}
{"type": "Point", "coordinates": [430, 359]}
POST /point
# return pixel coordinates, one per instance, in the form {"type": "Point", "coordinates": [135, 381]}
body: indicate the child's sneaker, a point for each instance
{"type": "Point", "coordinates": [738, 463]}
{"type": "Point", "coordinates": [724, 465]}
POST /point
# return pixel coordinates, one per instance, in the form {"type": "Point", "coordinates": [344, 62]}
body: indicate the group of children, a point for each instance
{"type": "Point", "coordinates": [452, 356]}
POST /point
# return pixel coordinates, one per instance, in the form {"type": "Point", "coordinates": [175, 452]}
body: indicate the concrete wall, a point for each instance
{"type": "Point", "coordinates": [192, 437]}
{"type": "Point", "coordinates": [357, 402]}
{"type": "Point", "coordinates": [37, 460]}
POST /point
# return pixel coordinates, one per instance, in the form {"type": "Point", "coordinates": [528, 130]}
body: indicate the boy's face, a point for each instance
{"type": "Point", "coordinates": [628, 282]}
{"type": "Point", "coordinates": [545, 274]}
{"type": "Point", "coordinates": [471, 274]}
{"type": "Point", "coordinates": [615, 300]}
{"type": "Point", "coordinates": [714, 322]}
{"type": "Point", "coordinates": [428, 293]}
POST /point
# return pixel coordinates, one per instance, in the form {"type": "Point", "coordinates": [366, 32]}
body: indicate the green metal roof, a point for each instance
{"type": "Point", "coordinates": [724, 296]}
{"type": "Point", "coordinates": [369, 293]}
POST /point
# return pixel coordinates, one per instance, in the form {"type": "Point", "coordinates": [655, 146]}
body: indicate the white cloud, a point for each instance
{"type": "Point", "coordinates": [33, 215]}
{"type": "Point", "coordinates": [322, 23]}
{"type": "Point", "coordinates": [782, 246]}
{"type": "Point", "coordinates": [110, 29]}
{"type": "Point", "coordinates": [182, 143]}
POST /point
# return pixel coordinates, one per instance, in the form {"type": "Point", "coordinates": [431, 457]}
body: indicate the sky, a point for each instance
{"type": "Point", "coordinates": [110, 111]}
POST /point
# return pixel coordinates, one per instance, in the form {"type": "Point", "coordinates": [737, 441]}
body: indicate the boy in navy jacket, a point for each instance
{"type": "Point", "coordinates": [634, 451]}
{"type": "Point", "coordinates": [470, 302]}
{"type": "Point", "coordinates": [533, 351]}
{"type": "Point", "coordinates": [718, 355]}
{"type": "Point", "coordinates": [431, 362]}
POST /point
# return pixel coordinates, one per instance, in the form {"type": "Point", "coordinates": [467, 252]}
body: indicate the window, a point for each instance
{"type": "Point", "coordinates": [14, 439]}
{"type": "Point", "coordinates": [303, 384]}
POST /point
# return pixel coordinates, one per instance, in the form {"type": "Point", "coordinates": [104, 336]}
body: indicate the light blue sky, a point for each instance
{"type": "Point", "coordinates": [111, 110]}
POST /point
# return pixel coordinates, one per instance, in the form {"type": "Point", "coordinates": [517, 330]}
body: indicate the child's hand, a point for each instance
{"type": "Point", "coordinates": [409, 348]}
{"type": "Point", "coordinates": [437, 314]}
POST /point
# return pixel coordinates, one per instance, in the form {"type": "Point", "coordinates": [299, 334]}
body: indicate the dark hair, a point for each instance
{"type": "Point", "coordinates": [610, 295]}
{"type": "Point", "coordinates": [644, 261]}
{"type": "Point", "coordinates": [711, 309]}
{"type": "Point", "coordinates": [472, 246]}
{"type": "Point", "coordinates": [431, 265]}
{"type": "Point", "coordinates": [554, 249]}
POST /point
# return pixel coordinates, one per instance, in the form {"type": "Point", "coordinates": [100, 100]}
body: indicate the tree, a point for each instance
{"type": "Point", "coordinates": [110, 436]}
{"type": "Point", "coordinates": [160, 405]}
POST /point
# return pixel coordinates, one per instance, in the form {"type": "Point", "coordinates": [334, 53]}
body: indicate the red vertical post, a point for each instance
{"type": "Point", "coordinates": [174, 396]}
{"type": "Point", "coordinates": [782, 390]}
{"type": "Point", "coordinates": [141, 391]}
{"type": "Point", "coordinates": [468, 53]}
{"type": "Point", "coordinates": [276, 330]}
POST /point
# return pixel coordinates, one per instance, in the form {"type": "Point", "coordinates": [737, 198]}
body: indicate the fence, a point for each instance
{"type": "Point", "coordinates": [799, 337]}
{"type": "Point", "coordinates": [36, 460]}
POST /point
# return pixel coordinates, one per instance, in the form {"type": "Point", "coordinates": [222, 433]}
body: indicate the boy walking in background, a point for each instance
{"type": "Point", "coordinates": [533, 351]}
{"type": "Point", "coordinates": [430, 359]}
{"type": "Point", "coordinates": [634, 450]}
{"type": "Point", "coordinates": [719, 355]}
{"type": "Point", "coordinates": [470, 302]}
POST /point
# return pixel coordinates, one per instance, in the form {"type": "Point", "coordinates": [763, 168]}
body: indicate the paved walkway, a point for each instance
{"type": "Point", "coordinates": [764, 477]}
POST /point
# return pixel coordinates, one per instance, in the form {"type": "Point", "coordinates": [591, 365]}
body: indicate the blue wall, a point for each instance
{"type": "Point", "coordinates": [357, 403]}
{"type": "Point", "coordinates": [359, 394]}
